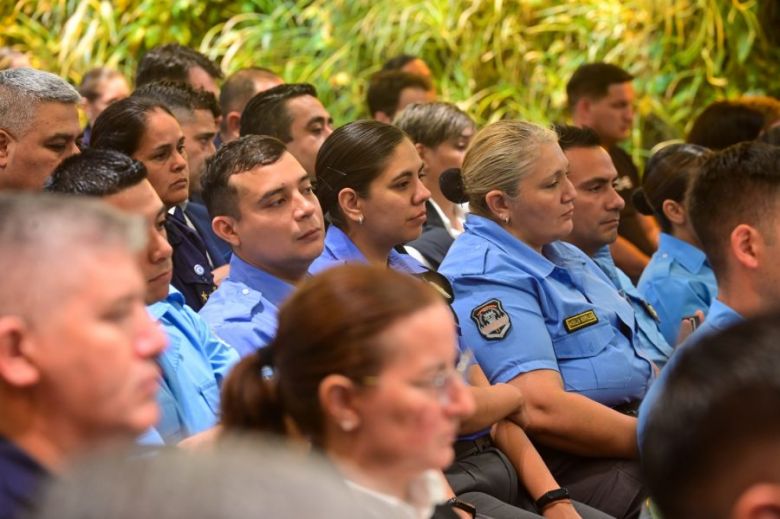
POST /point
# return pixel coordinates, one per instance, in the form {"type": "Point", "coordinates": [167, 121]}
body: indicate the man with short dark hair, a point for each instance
{"type": "Point", "coordinates": [713, 440]}
{"type": "Point", "coordinates": [596, 218]}
{"type": "Point", "coordinates": [601, 97]}
{"type": "Point", "coordinates": [238, 89]}
{"type": "Point", "coordinates": [392, 90]}
{"type": "Point", "coordinates": [196, 362]}
{"type": "Point", "coordinates": [178, 63]}
{"type": "Point", "coordinates": [734, 206]}
{"type": "Point", "coordinates": [293, 114]}
{"type": "Point", "coordinates": [77, 346]}
{"type": "Point", "coordinates": [264, 206]}
{"type": "Point", "coordinates": [39, 126]}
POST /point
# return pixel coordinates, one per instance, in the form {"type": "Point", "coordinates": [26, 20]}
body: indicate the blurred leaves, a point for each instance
{"type": "Point", "coordinates": [496, 58]}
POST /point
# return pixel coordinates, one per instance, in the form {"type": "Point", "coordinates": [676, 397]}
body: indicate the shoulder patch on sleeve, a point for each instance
{"type": "Point", "coordinates": [492, 320]}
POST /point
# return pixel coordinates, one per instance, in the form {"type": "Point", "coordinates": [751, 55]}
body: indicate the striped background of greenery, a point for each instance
{"type": "Point", "coordinates": [496, 58]}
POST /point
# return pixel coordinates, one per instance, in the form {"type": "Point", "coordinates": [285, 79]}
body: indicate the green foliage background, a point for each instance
{"type": "Point", "coordinates": [496, 58]}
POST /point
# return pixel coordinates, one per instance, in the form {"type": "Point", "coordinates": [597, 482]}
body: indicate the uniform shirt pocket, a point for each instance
{"type": "Point", "coordinates": [209, 390]}
{"type": "Point", "coordinates": [578, 356]}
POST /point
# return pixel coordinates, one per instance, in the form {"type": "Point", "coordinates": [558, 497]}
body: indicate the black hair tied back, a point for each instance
{"type": "Point", "coordinates": [640, 201]}
{"type": "Point", "coordinates": [451, 185]}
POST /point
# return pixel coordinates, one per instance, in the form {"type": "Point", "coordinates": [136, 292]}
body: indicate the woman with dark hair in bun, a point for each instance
{"type": "Point", "coordinates": [678, 281]}
{"type": "Point", "coordinates": [368, 177]}
{"type": "Point", "coordinates": [370, 382]}
{"type": "Point", "coordinates": [541, 316]}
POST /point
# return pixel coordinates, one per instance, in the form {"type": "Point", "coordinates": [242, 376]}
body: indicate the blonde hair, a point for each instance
{"type": "Point", "coordinates": [500, 155]}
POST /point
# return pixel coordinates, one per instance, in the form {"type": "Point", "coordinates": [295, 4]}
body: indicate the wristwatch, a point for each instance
{"type": "Point", "coordinates": [470, 509]}
{"type": "Point", "coordinates": [552, 496]}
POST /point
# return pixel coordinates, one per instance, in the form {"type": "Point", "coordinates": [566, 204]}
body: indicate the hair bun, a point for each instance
{"type": "Point", "coordinates": [451, 185]}
{"type": "Point", "coordinates": [641, 203]}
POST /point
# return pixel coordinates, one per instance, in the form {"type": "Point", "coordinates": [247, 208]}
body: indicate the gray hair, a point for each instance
{"type": "Point", "coordinates": [43, 232]}
{"type": "Point", "coordinates": [256, 477]}
{"type": "Point", "coordinates": [23, 89]}
{"type": "Point", "coordinates": [430, 124]}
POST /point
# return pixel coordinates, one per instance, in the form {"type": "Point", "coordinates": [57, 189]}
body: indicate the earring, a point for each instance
{"type": "Point", "coordinates": [506, 220]}
{"type": "Point", "coordinates": [360, 219]}
{"type": "Point", "coordinates": [348, 425]}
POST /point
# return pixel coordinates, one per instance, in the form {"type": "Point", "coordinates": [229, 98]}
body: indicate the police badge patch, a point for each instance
{"type": "Point", "coordinates": [492, 320]}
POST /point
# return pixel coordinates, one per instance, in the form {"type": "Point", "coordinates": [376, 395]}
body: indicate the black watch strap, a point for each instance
{"type": "Point", "coordinates": [558, 494]}
{"type": "Point", "coordinates": [470, 509]}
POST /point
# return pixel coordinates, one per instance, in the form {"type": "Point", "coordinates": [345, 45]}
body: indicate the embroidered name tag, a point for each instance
{"type": "Point", "coordinates": [583, 320]}
{"type": "Point", "coordinates": [492, 320]}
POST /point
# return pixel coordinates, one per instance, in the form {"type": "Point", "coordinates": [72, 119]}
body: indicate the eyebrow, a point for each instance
{"type": "Point", "coordinates": [319, 119]}
{"type": "Point", "coordinates": [408, 173]}
{"type": "Point", "coordinates": [61, 136]}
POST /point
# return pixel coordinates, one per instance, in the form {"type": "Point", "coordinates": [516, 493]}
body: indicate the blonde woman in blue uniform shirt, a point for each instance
{"type": "Point", "coordinates": [678, 281]}
{"type": "Point", "coordinates": [540, 315]}
{"type": "Point", "coordinates": [370, 189]}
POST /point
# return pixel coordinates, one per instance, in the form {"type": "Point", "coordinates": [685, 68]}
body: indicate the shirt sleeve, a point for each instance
{"type": "Point", "coordinates": [221, 356]}
{"type": "Point", "coordinates": [504, 351]}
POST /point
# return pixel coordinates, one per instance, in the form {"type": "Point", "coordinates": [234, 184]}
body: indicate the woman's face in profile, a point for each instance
{"type": "Point", "coordinates": [543, 210]}
{"type": "Point", "coordinates": [411, 411]}
{"type": "Point", "coordinates": [394, 210]}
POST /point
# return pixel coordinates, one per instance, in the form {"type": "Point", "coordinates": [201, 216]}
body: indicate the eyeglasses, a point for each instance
{"type": "Point", "coordinates": [442, 383]}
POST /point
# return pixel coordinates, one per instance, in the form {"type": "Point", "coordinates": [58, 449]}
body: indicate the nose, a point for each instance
{"type": "Point", "coordinates": [306, 207]}
{"type": "Point", "coordinates": [72, 150]}
{"type": "Point", "coordinates": [461, 402]}
{"type": "Point", "coordinates": [328, 129]}
{"type": "Point", "coordinates": [179, 160]}
{"type": "Point", "coordinates": [421, 194]}
{"type": "Point", "coordinates": [159, 249]}
{"type": "Point", "coordinates": [569, 193]}
{"type": "Point", "coordinates": [616, 202]}
{"type": "Point", "coordinates": [151, 339]}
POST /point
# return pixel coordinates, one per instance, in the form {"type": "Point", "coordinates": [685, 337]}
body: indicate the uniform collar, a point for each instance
{"type": "Point", "coordinates": [339, 246]}
{"type": "Point", "coordinates": [689, 256]}
{"type": "Point", "coordinates": [532, 261]}
{"type": "Point", "coordinates": [721, 315]}
{"type": "Point", "coordinates": [158, 309]}
{"type": "Point", "coordinates": [603, 258]}
{"type": "Point", "coordinates": [269, 286]}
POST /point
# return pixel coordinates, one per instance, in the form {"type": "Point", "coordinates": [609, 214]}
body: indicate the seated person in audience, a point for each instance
{"type": "Point", "coordinates": [293, 114]}
{"type": "Point", "coordinates": [362, 368]}
{"type": "Point", "coordinates": [195, 362]}
{"type": "Point", "coordinates": [77, 346]}
{"type": "Point", "coordinates": [734, 206]}
{"type": "Point", "coordinates": [264, 206]}
{"type": "Point", "coordinates": [596, 218]}
{"type": "Point", "coordinates": [391, 91]}
{"type": "Point", "coordinates": [713, 442]}
{"type": "Point", "coordinates": [99, 88]}
{"type": "Point", "coordinates": [196, 112]}
{"type": "Point", "coordinates": [601, 97]}
{"type": "Point", "coordinates": [678, 281]}
{"type": "Point", "coordinates": [725, 123]}
{"type": "Point", "coordinates": [369, 184]}
{"type": "Point", "coordinates": [147, 131]}
{"type": "Point", "coordinates": [441, 132]}
{"type": "Point", "coordinates": [39, 126]}
{"type": "Point", "coordinates": [237, 90]}
{"type": "Point", "coordinates": [539, 314]}
{"type": "Point", "coordinates": [178, 63]}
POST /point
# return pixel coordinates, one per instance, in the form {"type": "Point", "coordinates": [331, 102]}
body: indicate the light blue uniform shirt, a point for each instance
{"type": "Point", "coordinates": [193, 367]}
{"type": "Point", "coordinates": [719, 317]}
{"type": "Point", "coordinates": [339, 250]}
{"type": "Point", "coordinates": [244, 310]}
{"type": "Point", "coordinates": [650, 340]}
{"type": "Point", "coordinates": [677, 282]}
{"type": "Point", "coordinates": [520, 311]}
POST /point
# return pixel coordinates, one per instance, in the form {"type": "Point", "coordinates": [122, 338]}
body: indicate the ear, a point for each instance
{"type": "Point", "coordinates": [225, 228]}
{"type": "Point", "coordinates": [746, 244]}
{"type": "Point", "coordinates": [233, 122]}
{"type": "Point", "coordinates": [382, 117]}
{"type": "Point", "coordinates": [582, 111]}
{"type": "Point", "coordinates": [351, 205]}
{"type": "Point", "coordinates": [674, 212]}
{"type": "Point", "coordinates": [760, 501]}
{"type": "Point", "coordinates": [337, 396]}
{"type": "Point", "coordinates": [424, 152]}
{"type": "Point", "coordinates": [5, 148]}
{"type": "Point", "coordinates": [16, 368]}
{"type": "Point", "coordinates": [498, 203]}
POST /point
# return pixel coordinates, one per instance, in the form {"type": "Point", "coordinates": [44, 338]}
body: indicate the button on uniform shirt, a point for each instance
{"type": "Point", "coordinates": [677, 282]}
{"type": "Point", "coordinates": [719, 317]}
{"type": "Point", "coordinates": [20, 479]}
{"type": "Point", "coordinates": [339, 250]}
{"type": "Point", "coordinates": [193, 367]}
{"type": "Point", "coordinates": [244, 310]}
{"type": "Point", "coordinates": [520, 311]}
{"type": "Point", "coordinates": [649, 338]}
